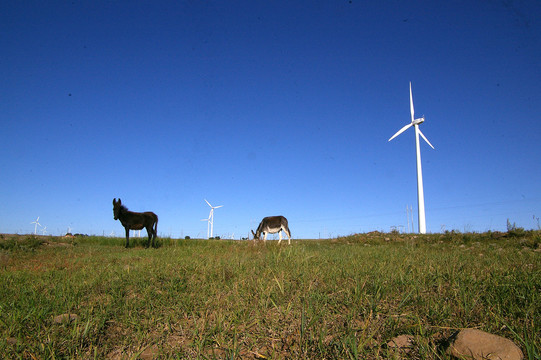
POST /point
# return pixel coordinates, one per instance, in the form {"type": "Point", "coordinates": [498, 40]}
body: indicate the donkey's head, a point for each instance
{"type": "Point", "coordinates": [116, 208]}
{"type": "Point", "coordinates": [256, 235]}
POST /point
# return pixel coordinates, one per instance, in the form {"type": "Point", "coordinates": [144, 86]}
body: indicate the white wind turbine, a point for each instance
{"type": "Point", "coordinates": [36, 222]}
{"type": "Point", "coordinates": [210, 220]}
{"type": "Point", "coordinates": [208, 226]}
{"type": "Point", "coordinates": [420, 194]}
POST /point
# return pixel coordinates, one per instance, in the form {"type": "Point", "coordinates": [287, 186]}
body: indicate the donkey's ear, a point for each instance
{"type": "Point", "coordinates": [114, 201]}
{"type": "Point", "coordinates": [119, 201]}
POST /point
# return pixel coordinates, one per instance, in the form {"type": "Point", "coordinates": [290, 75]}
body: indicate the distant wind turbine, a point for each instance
{"type": "Point", "coordinates": [44, 230]}
{"type": "Point", "coordinates": [210, 225]}
{"type": "Point", "coordinates": [36, 222]}
{"type": "Point", "coordinates": [420, 194]}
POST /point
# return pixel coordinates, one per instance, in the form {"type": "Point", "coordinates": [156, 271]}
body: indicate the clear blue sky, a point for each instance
{"type": "Point", "coordinates": [267, 108]}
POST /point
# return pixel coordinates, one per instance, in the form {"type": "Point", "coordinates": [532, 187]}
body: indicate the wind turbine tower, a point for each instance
{"type": "Point", "coordinates": [210, 219]}
{"type": "Point", "coordinates": [420, 193]}
{"type": "Point", "coordinates": [36, 222]}
{"type": "Point", "coordinates": [208, 226]}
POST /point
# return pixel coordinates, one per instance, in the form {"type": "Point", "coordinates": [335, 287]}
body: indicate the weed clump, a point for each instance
{"type": "Point", "coordinates": [12, 243]}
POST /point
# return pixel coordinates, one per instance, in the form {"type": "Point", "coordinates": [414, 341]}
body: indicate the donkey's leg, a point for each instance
{"type": "Point", "coordinates": [286, 230]}
{"type": "Point", "coordinates": [279, 236]}
{"type": "Point", "coordinates": [265, 238]}
{"type": "Point", "coordinates": [155, 231]}
{"type": "Point", "coordinates": [149, 233]}
{"type": "Point", "coordinates": [154, 235]}
{"type": "Point", "coordinates": [127, 237]}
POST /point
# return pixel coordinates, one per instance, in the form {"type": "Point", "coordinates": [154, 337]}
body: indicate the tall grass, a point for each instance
{"type": "Point", "coordinates": [333, 299]}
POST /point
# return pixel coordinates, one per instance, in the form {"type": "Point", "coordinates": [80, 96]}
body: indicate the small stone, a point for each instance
{"type": "Point", "coordinates": [65, 318]}
{"type": "Point", "coordinates": [479, 345]}
{"type": "Point", "coordinates": [402, 342]}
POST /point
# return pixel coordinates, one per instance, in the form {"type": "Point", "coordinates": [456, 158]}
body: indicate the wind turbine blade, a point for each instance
{"type": "Point", "coordinates": [401, 131]}
{"type": "Point", "coordinates": [424, 137]}
{"type": "Point", "coordinates": [208, 203]}
{"type": "Point", "coordinates": [216, 207]}
{"type": "Point", "coordinates": [411, 105]}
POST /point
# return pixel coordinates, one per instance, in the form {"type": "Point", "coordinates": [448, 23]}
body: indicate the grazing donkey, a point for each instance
{"type": "Point", "coordinates": [136, 221]}
{"type": "Point", "coordinates": [273, 225]}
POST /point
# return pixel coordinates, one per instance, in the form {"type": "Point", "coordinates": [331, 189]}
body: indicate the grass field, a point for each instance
{"type": "Point", "coordinates": [341, 298]}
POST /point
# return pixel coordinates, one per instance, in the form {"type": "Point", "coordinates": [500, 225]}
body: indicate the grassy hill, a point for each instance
{"type": "Point", "coordinates": [334, 299]}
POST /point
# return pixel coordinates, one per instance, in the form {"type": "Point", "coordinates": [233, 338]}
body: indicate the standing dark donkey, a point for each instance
{"type": "Point", "coordinates": [273, 225]}
{"type": "Point", "coordinates": [136, 221]}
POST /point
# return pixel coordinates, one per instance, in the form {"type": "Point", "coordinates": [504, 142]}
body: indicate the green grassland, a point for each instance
{"type": "Point", "coordinates": [341, 298]}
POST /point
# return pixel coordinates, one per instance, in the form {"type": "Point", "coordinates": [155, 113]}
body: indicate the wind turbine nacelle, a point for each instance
{"type": "Point", "coordinates": [419, 120]}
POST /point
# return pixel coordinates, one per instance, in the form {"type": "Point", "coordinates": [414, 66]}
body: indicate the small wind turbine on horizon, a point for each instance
{"type": "Point", "coordinates": [44, 230]}
{"type": "Point", "coordinates": [420, 193]}
{"type": "Point", "coordinates": [210, 225]}
{"type": "Point", "coordinates": [36, 222]}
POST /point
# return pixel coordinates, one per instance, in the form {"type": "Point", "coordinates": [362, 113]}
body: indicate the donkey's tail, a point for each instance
{"type": "Point", "coordinates": [156, 227]}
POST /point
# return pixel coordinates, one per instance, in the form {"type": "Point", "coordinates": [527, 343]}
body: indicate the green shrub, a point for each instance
{"type": "Point", "coordinates": [29, 242]}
